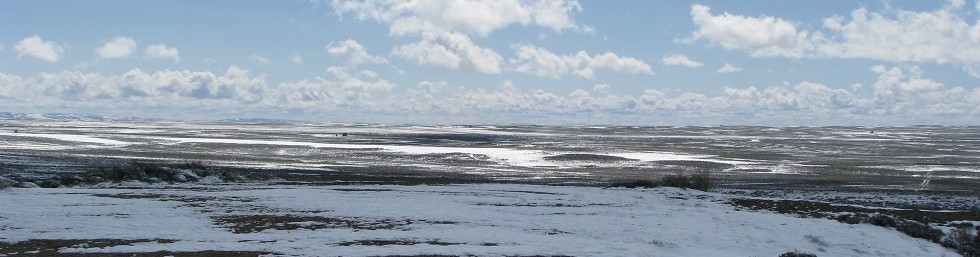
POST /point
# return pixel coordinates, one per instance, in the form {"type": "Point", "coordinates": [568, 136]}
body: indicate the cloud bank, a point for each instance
{"type": "Point", "coordinates": [896, 95]}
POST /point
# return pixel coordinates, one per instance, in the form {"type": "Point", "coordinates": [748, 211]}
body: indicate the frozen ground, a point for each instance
{"type": "Point", "coordinates": [935, 158]}
{"type": "Point", "coordinates": [474, 219]}
{"type": "Point", "coordinates": [334, 189]}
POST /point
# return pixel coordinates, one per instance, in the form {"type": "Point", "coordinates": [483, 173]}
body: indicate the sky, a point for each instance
{"type": "Point", "coordinates": [561, 62]}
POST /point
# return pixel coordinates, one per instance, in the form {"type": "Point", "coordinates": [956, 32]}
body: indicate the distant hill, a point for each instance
{"type": "Point", "coordinates": [66, 117]}
{"type": "Point", "coordinates": [257, 120]}
{"type": "Point", "coordinates": [96, 118]}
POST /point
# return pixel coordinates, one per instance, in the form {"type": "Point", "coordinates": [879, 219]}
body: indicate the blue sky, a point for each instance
{"type": "Point", "coordinates": [508, 61]}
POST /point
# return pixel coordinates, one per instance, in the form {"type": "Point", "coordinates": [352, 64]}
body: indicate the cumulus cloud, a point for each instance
{"type": "Point", "coordinates": [680, 60]}
{"type": "Point", "coordinates": [354, 53]}
{"type": "Point", "coordinates": [36, 47]}
{"type": "Point", "coordinates": [940, 36]}
{"type": "Point", "coordinates": [453, 51]}
{"type": "Point", "coordinates": [541, 62]}
{"type": "Point", "coordinates": [474, 17]}
{"type": "Point", "coordinates": [445, 27]}
{"type": "Point", "coordinates": [119, 47]}
{"type": "Point", "coordinates": [162, 51]}
{"type": "Point", "coordinates": [761, 36]}
{"type": "Point", "coordinates": [729, 68]}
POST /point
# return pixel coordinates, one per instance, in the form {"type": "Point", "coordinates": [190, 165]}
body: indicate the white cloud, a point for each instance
{"type": "Point", "coordinates": [354, 53]}
{"type": "Point", "coordinates": [260, 59]}
{"type": "Point", "coordinates": [474, 17]}
{"type": "Point", "coordinates": [602, 88]}
{"type": "Point", "coordinates": [939, 36]}
{"type": "Point", "coordinates": [137, 89]}
{"type": "Point", "coordinates": [729, 68]}
{"type": "Point", "coordinates": [368, 74]}
{"type": "Point", "coordinates": [297, 59]}
{"type": "Point", "coordinates": [432, 87]}
{"type": "Point", "coordinates": [36, 47]}
{"type": "Point", "coordinates": [119, 47]}
{"type": "Point", "coordinates": [541, 62]}
{"type": "Point", "coordinates": [898, 96]}
{"type": "Point", "coordinates": [680, 60]}
{"type": "Point", "coordinates": [445, 26]}
{"type": "Point", "coordinates": [345, 92]}
{"type": "Point", "coordinates": [161, 51]}
{"type": "Point", "coordinates": [452, 51]}
{"type": "Point", "coordinates": [894, 85]}
{"type": "Point", "coordinates": [761, 36]}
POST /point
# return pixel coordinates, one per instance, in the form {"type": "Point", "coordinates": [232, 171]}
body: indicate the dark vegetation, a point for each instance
{"type": "Point", "coordinates": [382, 242]}
{"type": "Point", "coordinates": [140, 171]}
{"type": "Point", "coordinates": [963, 241]}
{"type": "Point", "coordinates": [245, 224]}
{"type": "Point", "coordinates": [826, 210]}
{"type": "Point", "coordinates": [587, 157]}
{"type": "Point", "coordinates": [915, 223]}
{"type": "Point", "coordinates": [699, 180]}
{"type": "Point", "coordinates": [50, 247]}
{"type": "Point", "coordinates": [797, 254]}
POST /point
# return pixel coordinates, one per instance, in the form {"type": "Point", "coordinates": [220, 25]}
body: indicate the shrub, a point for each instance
{"type": "Point", "coordinates": [851, 218]}
{"type": "Point", "coordinates": [964, 242]}
{"type": "Point", "coordinates": [701, 180]}
{"type": "Point", "coordinates": [635, 184]}
{"type": "Point", "coordinates": [50, 183]}
{"type": "Point", "coordinates": [797, 254]}
{"type": "Point", "coordinates": [140, 171]}
{"type": "Point", "coordinates": [6, 183]}
{"type": "Point", "coordinates": [919, 230]}
{"type": "Point", "coordinates": [909, 227]}
{"type": "Point", "coordinates": [676, 180]}
{"type": "Point", "coordinates": [882, 220]}
{"type": "Point", "coordinates": [70, 179]}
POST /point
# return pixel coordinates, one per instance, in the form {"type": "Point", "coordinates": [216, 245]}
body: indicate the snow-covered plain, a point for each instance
{"type": "Point", "coordinates": [473, 219]}
{"type": "Point", "coordinates": [901, 158]}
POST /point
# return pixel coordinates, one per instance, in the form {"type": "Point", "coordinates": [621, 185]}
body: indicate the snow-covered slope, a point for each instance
{"type": "Point", "coordinates": [484, 220]}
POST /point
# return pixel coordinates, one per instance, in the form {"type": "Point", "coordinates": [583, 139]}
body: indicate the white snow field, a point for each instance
{"type": "Point", "coordinates": [473, 219]}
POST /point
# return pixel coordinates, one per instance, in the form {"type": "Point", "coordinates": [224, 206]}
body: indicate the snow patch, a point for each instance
{"type": "Point", "coordinates": [483, 220]}
{"type": "Point", "coordinates": [70, 138]}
